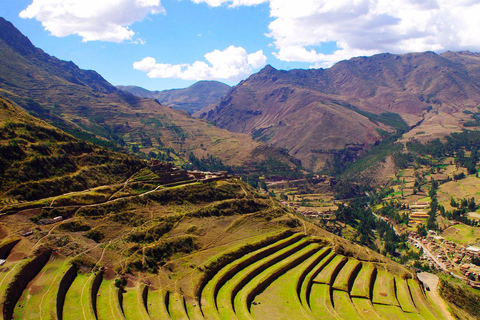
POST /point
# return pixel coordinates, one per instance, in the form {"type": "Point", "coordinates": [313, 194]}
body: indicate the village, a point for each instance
{"type": "Point", "coordinates": [438, 253]}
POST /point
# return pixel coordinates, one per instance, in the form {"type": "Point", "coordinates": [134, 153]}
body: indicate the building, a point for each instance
{"type": "Point", "coordinates": [418, 215]}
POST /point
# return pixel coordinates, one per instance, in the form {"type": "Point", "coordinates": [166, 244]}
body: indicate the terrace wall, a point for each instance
{"type": "Point", "coordinates": [5, 249]}
{"type": "Point", "coordinates": [20, 282]}
{"type": "Point", "coordinates": [65, 284]}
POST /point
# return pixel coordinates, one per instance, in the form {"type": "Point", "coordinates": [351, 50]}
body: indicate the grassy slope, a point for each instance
{"type": "Point", "coordinates": [157, 309]}
{"type": "Point", "coordinates": [384, 289]}
{"type": "Point", "coordinates": [133, 306]}
{"type": "Point", "coordinates": [242, 300]}
{"type": "Point", "coordinates": [227, 292]}
{"type": "Point", "coordinates": [365, 308]}
{"type": "Point", "coordinates": [38, 300]}
{"type": "Point", "coordinates": [344, 306]}
{"type": "Point", "coordinates": [108, 305]}
{"type": "Point", "coordinates": [283, 291]}
{"type": "Point", "coordinates": [39, 160]}
{"type": "Point", "coordinates": [77, 301]}
{"type": "Point", "coordinates": [321, 303]}
{"type": "Point", "coordinates": [210, 291]}
{"type": "Point", "coordinates": [404, 296]}
{"type": "Point", "coordinates": [346, 273]}
{"type": "Point", "coordinates": [327, 273]}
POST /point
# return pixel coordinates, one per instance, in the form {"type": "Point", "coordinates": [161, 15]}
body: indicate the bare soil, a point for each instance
{"type": "Point", "coordinates": [431, 281]}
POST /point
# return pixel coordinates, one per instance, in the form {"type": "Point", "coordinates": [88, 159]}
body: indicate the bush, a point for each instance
{"type": "Point", "coordinates": [74, 226]}
{"type": "Point", "coordinates": [228, 208]}
{"type": "Point", "coordinates": [157, 255]}
{"type": "Point", "coordinates": [153, 234]}
{"type": "Point", "coordinates": [95, 235]}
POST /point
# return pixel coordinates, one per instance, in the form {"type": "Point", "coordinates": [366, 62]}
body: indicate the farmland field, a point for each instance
{"type": "Point", "coordinates": [291, 275]}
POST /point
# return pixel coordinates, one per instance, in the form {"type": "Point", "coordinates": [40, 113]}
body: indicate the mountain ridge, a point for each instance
{"type": "Point", "coordinates": [329, 109]}
{"type": "Point", "coordinates": [81, 101]}
{"type": "Point", "coordinates": [191, 99]}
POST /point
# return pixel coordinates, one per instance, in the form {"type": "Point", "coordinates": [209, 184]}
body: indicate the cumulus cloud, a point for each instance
{"type": "Point", "coordinates": [232, 64]}
{"type": "Point", "coordinates": [231, 3]}
{"type": "Point", "coordinates": [365, 27]}
{"type": "Point", "coordinates": [105, 20]}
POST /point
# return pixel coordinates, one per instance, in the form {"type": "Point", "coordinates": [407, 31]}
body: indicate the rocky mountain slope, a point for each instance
{"type": "Point", "coordinates": [312, 113]}
{"type": "Point", "coordinates": [192, 99]}
{"type": "Point", "coordinates": [83, 103]}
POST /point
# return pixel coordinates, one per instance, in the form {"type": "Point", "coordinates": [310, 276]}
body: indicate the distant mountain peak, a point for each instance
{"type": "Point", "coordinates": [312, 112]}
{"type": "Point", "coordinates": [13, 42]}
{"type": "Point", "coordinates": [268, 69]}
{"type": "Point", "coordinates": [191, 99]}
{"type": "Point", "coordinates": [15, 39]}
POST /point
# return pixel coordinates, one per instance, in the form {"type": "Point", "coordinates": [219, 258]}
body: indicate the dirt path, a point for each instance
{"type": "Point", "coordinates": [431, 281]}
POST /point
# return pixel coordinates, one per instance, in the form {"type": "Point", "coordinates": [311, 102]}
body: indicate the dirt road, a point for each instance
{"type": "Point", "coordinates": [431, 281]}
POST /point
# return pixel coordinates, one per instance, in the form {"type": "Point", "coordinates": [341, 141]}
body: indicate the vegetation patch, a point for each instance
{"type": "Point", "coordinates": [460, 297]}
{"type": "Point", "coordinates": [231, 207]}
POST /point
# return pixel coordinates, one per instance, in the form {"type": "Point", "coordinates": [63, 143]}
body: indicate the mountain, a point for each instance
{"type": "Point", "coordinates": [315, 113]}
{"type": "Point", "coordinates": [86, 105]}
{"type": "Point", "coordinates": [192, 99]}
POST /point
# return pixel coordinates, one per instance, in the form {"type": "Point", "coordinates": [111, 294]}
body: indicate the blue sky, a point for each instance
{"type": "Point", "coordinates": [174, 43]}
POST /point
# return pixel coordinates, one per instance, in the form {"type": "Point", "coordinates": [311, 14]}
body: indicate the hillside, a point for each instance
{"type": "Point", "coordinates": [40, 161]}
{"type": "Point", "coordinates": [81, 102]}
{"type": "Point", "coordinates": [191, 99]}
{"type": "Point", "coordinates": [213, 250]}
{"type": "Point", "coordinates": [315, 113]}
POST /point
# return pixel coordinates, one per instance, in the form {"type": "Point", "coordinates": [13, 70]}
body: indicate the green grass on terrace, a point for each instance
{"type": "Point", "coordinates": [361, 285]}
{"type": "Point", "coordinates": [384, 289]}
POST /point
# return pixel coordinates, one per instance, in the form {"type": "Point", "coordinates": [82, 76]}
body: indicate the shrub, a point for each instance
{"type": "Point", "coordinates": [228, 208]}
{"type": "Point", "coordinates": [158, 254]}
{"type": "Point", "coordinates": [95, 235]}
{"type": "Point", "coordinates": [74, 226]}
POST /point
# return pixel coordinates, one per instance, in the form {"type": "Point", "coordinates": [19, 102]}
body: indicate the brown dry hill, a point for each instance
{"type": "Point", "coordinates": [81, 102]}
{"type": "Point", "coordinates": [311, 112]}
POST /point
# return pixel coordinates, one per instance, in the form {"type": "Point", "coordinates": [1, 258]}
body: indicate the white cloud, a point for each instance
{"type": "Point", "coordinates": [365, 27]}
{"type": "Point", "coordinates": [105, 20]}
{"type": "Point", "coordinates": [232, 64]}
{"type": "Point", "coordinates": [231, 3]}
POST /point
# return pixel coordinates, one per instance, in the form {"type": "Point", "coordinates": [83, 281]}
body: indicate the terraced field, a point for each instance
{"type": "Point", "coordinates": [294, 276]}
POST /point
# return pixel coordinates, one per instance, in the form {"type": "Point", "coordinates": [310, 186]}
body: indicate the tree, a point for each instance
{"type": "Point", "coordinates": [421, 230]}
{"type": "Point", "coordinates": [453, 203]}
{"type": "Point", "coordinates": [472, 206]}
{"type": "Point", "coordinates": [263, 185]}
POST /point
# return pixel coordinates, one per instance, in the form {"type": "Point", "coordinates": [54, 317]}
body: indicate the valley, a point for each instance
{"type": "Point", "coordinates": [343, 193]}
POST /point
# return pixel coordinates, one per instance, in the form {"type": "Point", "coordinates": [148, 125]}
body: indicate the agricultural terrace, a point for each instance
{"type": "Point", "coordinates": [215, 250]}
{"type": "Point", "coordinates": [284, 275]}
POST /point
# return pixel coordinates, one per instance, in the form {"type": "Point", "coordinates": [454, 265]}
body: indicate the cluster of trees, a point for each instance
{"type": "Point", "coordinates": [434, 206]}
{"type": "Point", "coordinates": [274, 167]}
{"type": "Point", "coordinates": [157, 255]}
{"type": "Point", "coordinates": [390, 210]}
{"type": "Point", "coordinates": [462, 207]}
{"type": "Point", "coordinates": [206, 164]}
{"type": "Point", "coordinates": [454, 145]}
{"type": "Point", "coordinates": [359, 215]}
